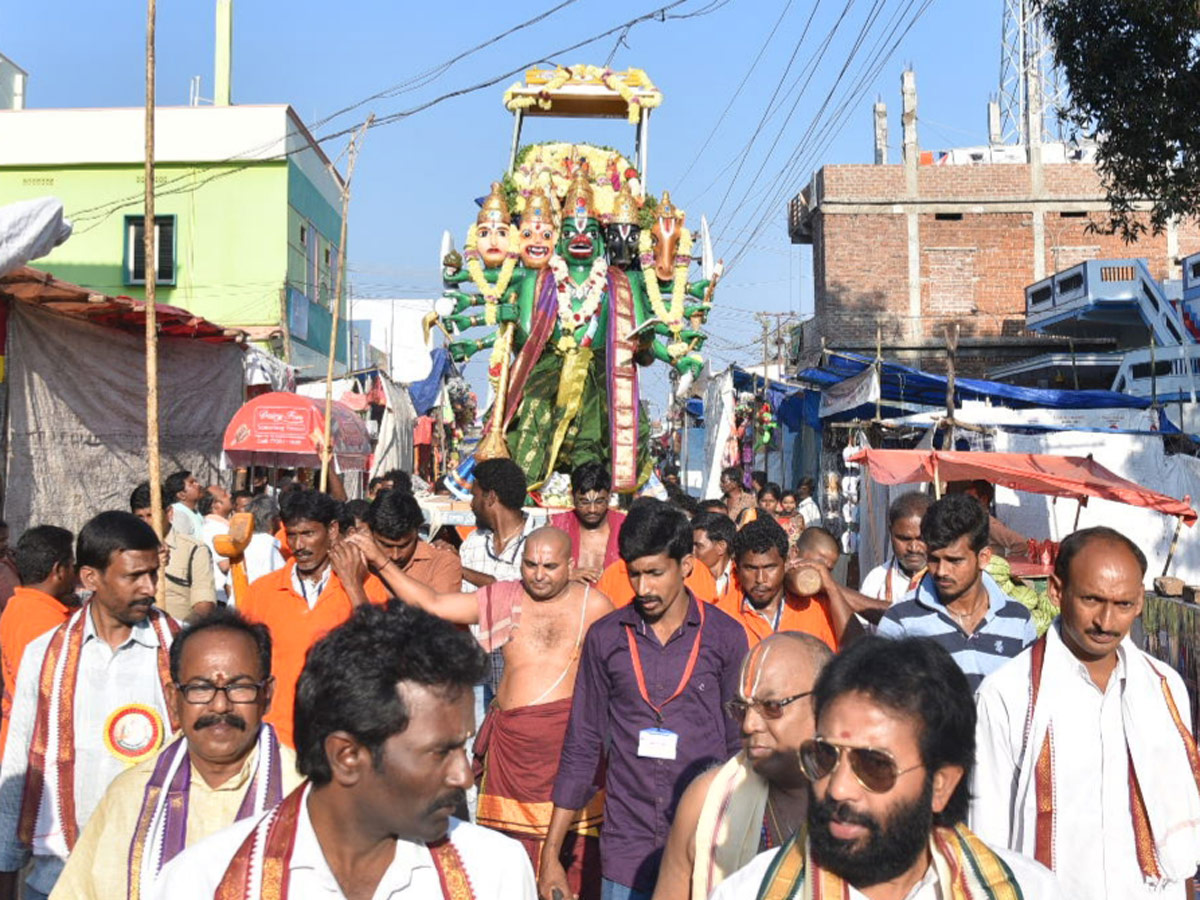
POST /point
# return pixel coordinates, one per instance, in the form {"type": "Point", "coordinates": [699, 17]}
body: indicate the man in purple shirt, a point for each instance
{"type": "Point", "coordinates": [653, 681]}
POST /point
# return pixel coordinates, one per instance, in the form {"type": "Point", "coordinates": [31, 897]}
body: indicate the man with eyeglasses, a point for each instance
{"type": "Point", "coordinates": [226, 765]}
{"type": "Point", "coordinates": [591, 525]}
{"type": "Point", "coordinates": [889, 768]}
{"type": "Point", "coordinates": [757, 799]}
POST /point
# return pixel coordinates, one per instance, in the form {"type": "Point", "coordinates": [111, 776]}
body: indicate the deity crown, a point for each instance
{"type": "Point", "coordinates": [495, 208]}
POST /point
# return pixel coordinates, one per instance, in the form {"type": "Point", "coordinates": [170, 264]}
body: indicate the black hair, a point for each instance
{"type": "Point", "coordinates": [917, 678]}
{"type": "Point", "coordinates": [175, 483]}
{"type": "Point", "coordinates": [716, 506]}
{"type": "Point", "coordinates": [311, 505]}
{"type": "Point", "coordinates": [807, 482]}
{"type": "Point", "coordinates": [758, 476]}
{"type": "Point", "coordinates": [1075, 542]}
{"type": "Point", "coordinates": [112, 532]}
{"type": "Point", "coordinates": [760, 536]}
{"type": "Point", "coordinates": [205, 504]}
{"type": "Point", "coordinates": [139, 497]}
{"type": "Point", "coordinates": [795, 495]}
{"type": "Point", "coordinates": [401, 480]}
{"type": "Point", "coordinates": [394, 514]}
{"type": "Point", "coordinates": [505, 478]}
{"type": "Point", "coordinates": [231, 620]}
{"type": "Point", "coordinates": [238, 495]}
{"type": "Point", "coordinates": [814, 536]}
{"type": "Point", "coordinates": [734, 473]}
{"type": "Point", "coordinates": [906, 506]}
{"type": "Point", "coordinates": [770, 488]}
{"type": "Point", "coordinates": [952, 517]}
{"type": "Point", "coordinates": [718, 527]}
{"type": "Point", "coordinates": [591, 476]}
{"type": "Point", "coordinates": [265, 510]}
{"type": "Point", "coordinates": [358, 509]}
{"type": "Point", "coordinates": [350, 677]}
{"type": "Point", "coordinates": [374, 483]}
{"type": "Point", "coordinates": [39, 550]}
{"type": "Point", "coordinates": [653, 527]}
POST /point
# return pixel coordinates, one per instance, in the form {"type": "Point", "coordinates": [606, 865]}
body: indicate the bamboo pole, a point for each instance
{"type": "Point", "coordinates": [150, 250]}
{"type": "Point", "coordinates": [327, 445]}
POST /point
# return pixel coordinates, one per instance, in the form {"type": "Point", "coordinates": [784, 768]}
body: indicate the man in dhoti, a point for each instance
{"type": "Point", "coordinates": [592, 526]}
{"type": "Point", "coordinates": [1086, 760]}
{"type": "Point", "coordinates": [384, 707]}
{"type": "Point", "coordinates": [91, 700]}
{"type": "Point", "coordinates": [225, 766]}
{"type": "Point", "coordinates": [539, 622]}
{"type": "Point", "coordinates": [730, 814]}
{"type": "Point", "coordinates": [889, 767]}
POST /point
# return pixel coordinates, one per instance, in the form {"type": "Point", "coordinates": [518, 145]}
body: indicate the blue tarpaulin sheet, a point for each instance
{"type": "Point", "coordinates": [425, 392]}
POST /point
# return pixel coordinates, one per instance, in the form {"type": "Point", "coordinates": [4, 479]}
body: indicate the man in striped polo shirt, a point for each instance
{"type": "Point", "coordinates": [957, 603]}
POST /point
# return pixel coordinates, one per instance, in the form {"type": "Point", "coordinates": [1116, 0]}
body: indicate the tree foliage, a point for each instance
{"type": "Point", "coordinates": [1133, 67]}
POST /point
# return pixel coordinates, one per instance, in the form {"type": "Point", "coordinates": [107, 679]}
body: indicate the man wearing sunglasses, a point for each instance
{"type": "Point", "coordinates": [889, 768]}
{"type": "Point", "coordinates": [757, 799]}
{"type": "Point", "coordinates": [591, 525]}
{"type": "Point", "coordinates": [226, 765]}
{"type": "Point", "coordinates": [1100, 779]}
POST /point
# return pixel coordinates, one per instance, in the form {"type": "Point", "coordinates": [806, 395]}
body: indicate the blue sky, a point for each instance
{"type": "Point", "coordinates": [418, 176]}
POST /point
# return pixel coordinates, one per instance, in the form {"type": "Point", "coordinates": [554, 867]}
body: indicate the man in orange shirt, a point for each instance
{"type": "Point", "coordinates": [713, 535]}
{"type": "Point", "coordinates": [762, 604]}
{"type": "Point", "coordinates": [394, 519]}
{"type": "Point", "coordinates": [45, 560]}
{"type": "Point", "coordinates": [315, 592]}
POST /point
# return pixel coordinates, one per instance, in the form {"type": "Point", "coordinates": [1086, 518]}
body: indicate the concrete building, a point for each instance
{"type": "Point", "coordinates": [955, 237]}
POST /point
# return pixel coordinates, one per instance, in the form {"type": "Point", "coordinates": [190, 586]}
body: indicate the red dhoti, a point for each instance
{"type": "Point", "coordinates": [516, 760]}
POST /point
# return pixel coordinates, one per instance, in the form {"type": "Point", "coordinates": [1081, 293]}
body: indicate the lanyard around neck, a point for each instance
{"type": "Point", "coordinates": [687, 670]}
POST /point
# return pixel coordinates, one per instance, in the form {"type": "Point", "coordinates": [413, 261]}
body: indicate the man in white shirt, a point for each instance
{"type": "Point", "coordinates": [216, 506]}
{"type": "Point", "coordinates": [1101, 780]}
{"type": "Point", "coordinates": [383, 712]}
{"type": "Point", "coordinates": [896, 578]}
{"type": "Point", "coordinates": [105, 710]}
{"type": "Point", "coordinates": [807, 507]}
{"type": "Point", "coordinates": [889, 768]}
{"type": "Point", "coordinates": [183, 492]}
{"type": "Point", "coordinates": [263, 555]}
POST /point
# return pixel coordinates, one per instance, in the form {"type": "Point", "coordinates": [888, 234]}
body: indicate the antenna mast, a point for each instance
{"type": "Point", "coordinates": [1032, 86]}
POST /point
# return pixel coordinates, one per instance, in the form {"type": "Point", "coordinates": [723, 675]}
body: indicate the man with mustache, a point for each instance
{"type": "Point", "coordinates": [384, 709]}
{"type": "Point", "coordinates": [226, 765]}
{"type": "Point", "coordinates": [1100, 779]}
{"type": "Point", "coordinates": [756, 800]}
{"type": "Point", "coordinates": [888, 769]}
{"type": "Point", "coordinates": [893, 580]}
{"type": "Point", "coordinates": [649, 698]}
{"type": "Point", "coordinates": [90, 700]}
{"type": "Point", "coordinates": [318, 589]}
{"type": "Point", "coordinates": [592, 526]}
{"type": "Point", "coordinates": [957, 603]}
{"type": "Point", "coordinates": [538, 623]}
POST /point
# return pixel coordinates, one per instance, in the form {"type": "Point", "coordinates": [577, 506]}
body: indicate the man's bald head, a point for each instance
{"type": "Point", "coordinates": [546, 563]}
{"type": "Point", "coordinates": [818, 545]}
{"type": "Point", "coordinates": [777, 676]}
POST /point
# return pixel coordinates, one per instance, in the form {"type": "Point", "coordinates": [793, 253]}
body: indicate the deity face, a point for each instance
{"type": "Point", "coordinates": [581, 246]}
{"type": "Point", "coordinates": [536, 241]}
{"type": "Point", "coordinates": [492, 240]}
{"type": "Point", "coordinates": [665, 242]}
{"type": "Point", "coordinates": [622, 241]}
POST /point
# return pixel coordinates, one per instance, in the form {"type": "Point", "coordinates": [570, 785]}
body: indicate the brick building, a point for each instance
{"type": "Point", "coordinates": [957, 237]}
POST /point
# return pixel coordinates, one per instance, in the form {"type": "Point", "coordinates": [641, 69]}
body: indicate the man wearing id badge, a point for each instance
{"type": "Point", "coordinates": [649, 696]}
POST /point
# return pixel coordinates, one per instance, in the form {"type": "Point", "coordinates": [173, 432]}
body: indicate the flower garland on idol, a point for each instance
{"type": "Point", "coordinates": [592, 292]}
{"type": "Point", "coordinates": [673, 316]}
{"type": "Point", "coordinates": [491, 293]}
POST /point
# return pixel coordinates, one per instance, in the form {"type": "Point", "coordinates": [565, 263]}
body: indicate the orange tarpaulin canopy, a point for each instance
{"type": "Point", "coordinates": [1061, 476]}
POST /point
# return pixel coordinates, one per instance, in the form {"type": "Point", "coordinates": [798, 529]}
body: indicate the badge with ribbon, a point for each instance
{"type": "Point", "coordinates": [133, 733]}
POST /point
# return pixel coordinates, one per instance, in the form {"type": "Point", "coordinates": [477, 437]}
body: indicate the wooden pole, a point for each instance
{"type": "Point", "coordinates": [150, 251]}
{"type": "Point", "coordinates": [951, 354]}
{"type": "Point", "coordinates": [879, 372]}
{"type": "Point", "coordinates": [766, 336]}
{"type": "Point", "coordinates": [352, 157]}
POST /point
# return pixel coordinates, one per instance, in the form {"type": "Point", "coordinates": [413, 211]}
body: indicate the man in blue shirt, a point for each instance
{"type": "Point", "coordinates": [957, 603]}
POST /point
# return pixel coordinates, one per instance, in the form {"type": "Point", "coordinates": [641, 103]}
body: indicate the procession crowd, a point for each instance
{"type": "Point", "coordinates": [676, 701]}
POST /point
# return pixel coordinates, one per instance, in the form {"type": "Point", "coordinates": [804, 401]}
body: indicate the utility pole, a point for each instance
{"type": "Point", "coordinates": [150, 251]}
{"type": "Point", "coordinates": [352, 157]}
{"type": "Point", "coordinates": [764, 319]}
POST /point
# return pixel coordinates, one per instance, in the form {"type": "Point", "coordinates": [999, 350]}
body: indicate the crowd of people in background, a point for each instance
{"type": "Point", "coordinates": [676, 700]}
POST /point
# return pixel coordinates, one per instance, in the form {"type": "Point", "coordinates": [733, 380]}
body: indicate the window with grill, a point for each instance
{"type": "Point", "coordinates": [135, 249]}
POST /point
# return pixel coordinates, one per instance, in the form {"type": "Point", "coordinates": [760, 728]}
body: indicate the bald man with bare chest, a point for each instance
{"type": "Point", "coordinates": [539, 623]}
